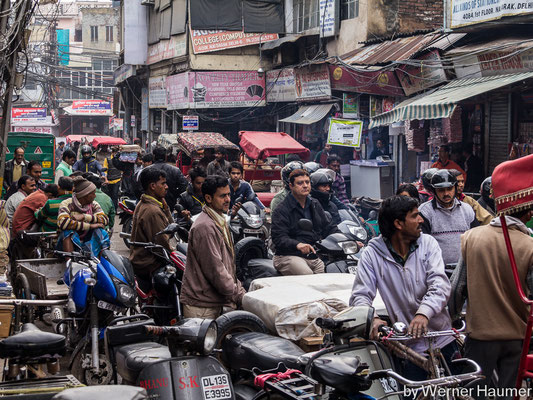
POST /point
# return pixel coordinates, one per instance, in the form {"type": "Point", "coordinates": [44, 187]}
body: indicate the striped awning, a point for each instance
{"type": "Point", "coordinates": [308, 115]}
{"type": "Point", "coordinates": [441, 102]}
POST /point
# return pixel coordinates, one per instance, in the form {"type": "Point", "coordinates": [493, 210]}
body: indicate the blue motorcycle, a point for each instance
{"type": "Point", "coordinates": [99, 290]}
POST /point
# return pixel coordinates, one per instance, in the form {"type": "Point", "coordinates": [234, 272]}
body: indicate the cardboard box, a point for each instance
{"type": "Point", "coordinates": [6, 314]}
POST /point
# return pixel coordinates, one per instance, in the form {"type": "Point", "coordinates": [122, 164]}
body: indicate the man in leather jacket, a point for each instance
{"type": "Point", "coordinates": [192, 199]}
{"type": "Point", "coordinates": [321, 191]}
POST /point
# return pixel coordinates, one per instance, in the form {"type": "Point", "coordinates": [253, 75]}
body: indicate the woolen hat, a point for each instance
{"type": "Point", "coordinates": [82, 187]}
{"type": "Point", "coordinates": [512, 185]}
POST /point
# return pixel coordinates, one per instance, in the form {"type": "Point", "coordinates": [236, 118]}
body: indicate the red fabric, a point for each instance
{"type": "Point", "coordinates": [24, 216]}
{"type": "Point", "coordinates": [449, 165]}
{"type": "Point", "coordinates": [78, 138]}
{"type": "Point", "coordinates": [512, 185]}
{"type": "Point", "coordinates": [260, 380]}
{"type": "Point", "coordinates": [108, 140]}
{"type": "Point", "coordinates": [260, 145]}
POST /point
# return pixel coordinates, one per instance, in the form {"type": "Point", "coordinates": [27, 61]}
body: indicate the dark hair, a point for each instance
{"type": "Point", "coordinates": [68, 154]}
{"type": "Point", "coordinates": [94, 178]}
{"type": "Point", "coordinates": [32, 164]}
{"type": "Point", "coordinates": [148, 157]}
{"type": "Point", "coordinates": [333, 158]}
{"type": "Point", "coordinates": [445, 147]}
{"type": "Point", "coordinates": [409, 188]}
{"type": "Point", "coordinates": [160, 153]}
{"type": "Point", "coordinates": [197, 172]}
{"type": "Point", "coordinates": [236, 165]}
{"type": "Point", "coordinates": [51, 188]}
{"type": "Point", "coordinates": [76, 173]}
{"type": "Point", "coordinates": [469, 148]}
{"type": "Point", "coordinates": [220, 150]}
{"type": "Point", "coordinates": [455, 172]}
{"type": "Point", "coordinates": [66, 183]}
{"type": "Point", "coordinates": [150, 175]}
{"type": "Point", "coordinates": [136, 141]}
{"type": "Point", "coordinates": [22, 181]}
{"type": "Point", "coordinates": [212, 183]}
{"type": "Point", "coordinates": [393, 208]}
{"type": "Point", "coordinates": [296, 173]}
{"type": "Point", "coordinates": [293, 157]}
{"type": "Point", "coordinates": [19, 148]}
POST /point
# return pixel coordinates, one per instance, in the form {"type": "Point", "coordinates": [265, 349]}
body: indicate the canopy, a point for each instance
{"type": "Point", "coordinates": [78, 138]}
{"type": "Point", "coordinates": [442, 102]}
{"type": "Point", "coordinates": [107, 140]}
{"type": "Point", "coordinates": [308, 115]}
{"type": "Point", "coordinates": [260, 145]}
{"type": "Point", "coordinates": [194, 141]}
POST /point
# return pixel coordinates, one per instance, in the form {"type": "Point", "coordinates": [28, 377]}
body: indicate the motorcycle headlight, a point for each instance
{"type": "Point", "coordinates": [126, 295]}
{"type": "Point", "coordinates": [349, 247]}
{"type": "Point", "coordinates": [210, 338]}
{"type": "Point", "coordinates": [254, 221]}
{"type": "Point", "coordinates": [358, 232]}
{"type": "Point", "coordinates": [199, 335]}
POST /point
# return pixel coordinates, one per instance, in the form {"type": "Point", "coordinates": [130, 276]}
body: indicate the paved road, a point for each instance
{"type": "Point", "coordinates": [117, 243]}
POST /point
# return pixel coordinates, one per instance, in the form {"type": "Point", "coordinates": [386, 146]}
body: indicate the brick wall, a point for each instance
{"type": "Point", "coordinates": [419, 14]}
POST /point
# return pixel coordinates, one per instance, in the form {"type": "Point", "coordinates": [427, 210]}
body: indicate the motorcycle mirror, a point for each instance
{"type": "Point", "coordinates": [373, 215]}
{"type": "Point", "coordinates": [400, 328]}
{"type": "Point", "coordinates": [305, 225]}
{"type": "Point", "coordinates": [179, 208]}
{"type": "Point", "coordinates": [169, 229]}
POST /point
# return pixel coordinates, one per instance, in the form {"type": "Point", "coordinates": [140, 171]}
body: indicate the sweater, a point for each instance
{"type": "Point", "coordinates": [107, 207]}
{"type": "Point", "coordinates": [63, 169]}
{"type": "Point", "coordinates": [67, 210]}
{"type": "Point", "coordinates": [24, 217]}
{"type": "Point", "coordinates": [46, 216]}
{"type": "Point", "coordinates": [13, 202]}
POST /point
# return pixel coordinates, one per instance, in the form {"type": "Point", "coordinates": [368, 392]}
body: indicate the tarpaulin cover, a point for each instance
{"type": "Point", "coordinates": [193, 141]}
{"type": "Point", "coordinates": [259, 145]}
{"type": "Point", "coordinates": [263, 16]}
{"type": "Point", "coordinates": [107, 140]}
{"type": "Point", "coordinates": [78, 138]}
{"type": "Point", "coordinates": [216, 14]}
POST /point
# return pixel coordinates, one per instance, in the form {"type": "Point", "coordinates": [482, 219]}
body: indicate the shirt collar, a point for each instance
{"type": "Point", "coordinates": [398, 258]}
{"type": "Point", "coordinates": [151, 198]}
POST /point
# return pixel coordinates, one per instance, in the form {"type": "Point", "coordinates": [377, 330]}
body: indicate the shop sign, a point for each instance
{"type": "Point", "coordinates": [144, 109]}
{"type": "Point", "coordinates": [174, 47]}
{"type": "Point", "coordinates": [91, 107]}
{"type": "Point", "coordinates": [312, 82]}
{"type": "Point", "coordinates": [344, 132]}
{"type": "Point", "coordinates": [204, 41]}
{"type": "Point", "coordinates": [118, 124]}
{"type": "Point", "coordinates": [133, 121]}
{"type": "Point", "coordinates": [123, 72]}
{"type": "Point", "coordinates": [469, 12]}
{"type": "Point", "coordinates": [190, 122]}
{"type": "Point", "coordinates": [350, 105]}
{"type": "Point", "coordinates": [33, 115]}
{"type": "Point", "coordinates": [387, 104]}
{"type": "Point", "coordinates": [494, 63]}
{"type": "Point", "coordinates": [33, 129]}
{"type": "Point", "coordinates": [157, 92]}
{"type": "Point", "coordinates": [376, 105]}
{"type": "Point", "coordinates": [178, 91]}
{"type": "Point", "coordinates": [280, 85]}
{"type": "Point", "coordinates": [415, 79]}
{"type": "Point", "coordinates": [329, 17]}
{"type": "Point", "coordinates": [383, 83]}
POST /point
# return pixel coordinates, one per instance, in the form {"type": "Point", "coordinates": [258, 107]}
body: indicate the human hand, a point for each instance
{"type": "Point", "coordinates": [77, 217]}
{"type": "Point", "coordinates": [97, 226]}
{"type": "Point", "coordinates": [186, 214]}
{"type": "Point", "coordinates": [236, 207]}
{"type": "Point", "coordinates": [305, 248]}
{"type": "Point", "coordinates": [418, 326]}
{"type": "Point", "coordinates": [267, 210]}
{"type": "Point", "coordinates": [376, 323]}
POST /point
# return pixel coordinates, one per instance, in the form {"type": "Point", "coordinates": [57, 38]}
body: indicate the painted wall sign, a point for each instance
{"type": "Point", "coordinates": [174, 47]}
{"type": "Point", "coordinates": [280, 85]}
{"type": "Point", "coordinates": [312, 82]}
{"type": "Point", "coordinates": [469, 12]}
{"type": "Point", "coordinates": [208, 41]}
{"type": "Point", "coordinates": [157, 92]}
{"type": "Point", "coordinates": [384, 83]}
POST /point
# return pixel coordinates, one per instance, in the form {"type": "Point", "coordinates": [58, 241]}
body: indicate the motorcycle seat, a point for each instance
{"type": "Point", "coordinates": [122, 392]}
{"type": "Point", "coordinates": [341, 372]}
{"type": "Point", "coordinates": [130, 203]}
{"type": "Point", "coordinates": [181, 247]}
{"type": "Point", "coordinates": [261, 350]}
{"type": "Point", "coordinates": [32, 343]}
{"type": "Point", "coordinates": [132, 358]}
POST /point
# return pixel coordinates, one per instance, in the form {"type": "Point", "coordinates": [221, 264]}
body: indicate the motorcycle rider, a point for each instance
{"type": "Point", "coordinates": [482, 215]}
{"type": "Point", "coordinates": [321, 191]}
{"type": "Point", "coordinates": [192, 200]}
{"type": "Point", "coordinates": [486, 201]}
{"type": "Point", "coordinates": [88, 163]}
{"type": "Point", "coordinates": [240, 188]}
{"type": "Point", "coordinates": [425, 192]}
{"type": "Point", "coordinates": [285, 172]}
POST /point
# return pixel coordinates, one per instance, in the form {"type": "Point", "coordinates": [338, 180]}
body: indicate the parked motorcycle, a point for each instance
{"type": "Point", "coordinates": [127, 208]}
{"type": "Point", "coordinates": [249, 221]}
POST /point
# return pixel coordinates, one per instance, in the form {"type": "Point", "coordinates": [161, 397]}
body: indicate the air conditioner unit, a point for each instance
{"type": "Point", "coordinates": [147, 2]}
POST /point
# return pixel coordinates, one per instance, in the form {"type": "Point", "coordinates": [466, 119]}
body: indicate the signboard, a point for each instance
{"type": "Point", "coordinates": [133, 121]}
{"type": "Point", "coordinates": [350, 105]}
{"type": "Point", "coordinates": [174, 47]}
{"type": "Point", "coordinates": [494, 63]}
{"type": "Point", "coordinates": [118, 124]}
{"type": "Point", "coordinates": [33, 115]}
{"type": "Point", "coordinates": [383, 83]}
{"type": "Point", "coordinates": [178, 91]}
{"type": "Point", "coordinates": [344, 132]}
{"type": "Point", "coordinates": [312, 82]}
{"type": "Point", "coordinates": [190, 122]}
{"type": "Point", "coordinates": [157, 92]}
{"type": "Point", "coordinates": [91, 107]}
{"type": "Point", "coordinates": [469, 12]}
{"type": "Point", "coordinates": [123, 72]}
{"type": "Point", "coordinates": [375, 106]}
{"type": "Point", "coordinates": [329, 15]}
{"type": "Point", "coordinates": [415, 79]}
{"type": "Point", "coordinates": [280, 85]}
{"type": "Point", "coordinates": [145, 112]}
{"type": "Point", "coordinates": [208, 41]}
{"type": "Point", "coordinates": [33, 129]}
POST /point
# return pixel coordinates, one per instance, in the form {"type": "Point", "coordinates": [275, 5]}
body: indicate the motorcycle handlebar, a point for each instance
{"type": "Point", "coordinates": [40, 234]}
{"type": "Point", "coordinates": [162, 330]}
{"type": "Point", "coordinates": [328, 323]}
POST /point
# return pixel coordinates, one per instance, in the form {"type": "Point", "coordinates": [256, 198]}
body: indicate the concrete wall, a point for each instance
{"type": "Point", "coordinates": [100, 17]}
{"type": "Point", "coordinates": [352, 31]}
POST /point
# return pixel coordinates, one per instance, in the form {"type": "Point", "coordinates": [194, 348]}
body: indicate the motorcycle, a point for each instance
{"type": "Point", "coordinates": [127, 207]}
{"type": "Point", "coordinates": [249, 220]}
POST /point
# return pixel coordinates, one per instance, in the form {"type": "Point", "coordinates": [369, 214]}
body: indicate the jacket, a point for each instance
{"type": "Point", "coordinates": [215, 168]}
{"type": "Point", "coordinates": [419, 287]}
{"type": "Point", "coordinates": [92, 166]}
{"type": "Point", "coordinates": [209, 279]}
{"type": "Point", "coordinates": [149, 218]}
{"type": "Point", "coordinates": [246, 192]}
{"type": "Point", "coordinates": [113, 173]}
{"type": "Point", "coordinates": [63, 169]}
{"type": "Point", "coordinates": [176, 182]}
{"type": "Point", "coordinates": [285, 232]}
{"type": "Point", "coordinates": [325, 200]}
{"type": "Point", "coordinates": [66, 210]}
{"type": "Point", "coordinates": [8, 172]}
{"type": "Point", "coordinates": [191, 202]}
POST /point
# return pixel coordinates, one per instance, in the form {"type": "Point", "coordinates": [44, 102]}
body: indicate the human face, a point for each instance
{"type": "Point", "coordinates": [36, 172]}
{"type": "Point", "coordinates": [197, 184]}
{"type": "Point", "coordinates": [88, 199]}
{"type": "Point", "coordinates": [71, 161]}
{"type": "Point", "coordinates": [235, 175]}
{"type": "Point", "coordinates": [159, 189]}
{"type": "Point", "coordinates": [460, 184]}
{"type": "Point", "coordinates": [19, 155]}
{"type": "Point", "coordinates": [29, 186]}
{"type": "Point", "coordinates": [445, 196]}
{"type": "Point", "coordinates": [147, 163]}
{"type": "Point", "coordinates": [379, 144]}
{"type": "Point", "coordinates": [220, 200]}
{"type": "Point", "coordinates": [443, 155]}
{"type": "Point", "coordinates": [86, 156]}
{"type": "Point", "coordinates": [301, 186]}
{"type": "Point", "coordinates": [411, 228]}
{"type": "Point", "coordinates": [219, 156]}
{"type": "Point", "coordinates": [335, 166]}
{"type": "Point", "coordinates": [327, 147]}
{"type": "Point", "coordinates": [324, 188]}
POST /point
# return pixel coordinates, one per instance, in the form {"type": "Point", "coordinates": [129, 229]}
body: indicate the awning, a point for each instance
{"type": "Point", "coordinates": [442, 102]}
{"type": "Point", "coordinates": [259, 145]}
{"type": "Point", "coordinates": [273, 44]}
{"type": "Point", "coordinates": [308, 115]}
{"type": "Point", "coordinates": [87, 112]}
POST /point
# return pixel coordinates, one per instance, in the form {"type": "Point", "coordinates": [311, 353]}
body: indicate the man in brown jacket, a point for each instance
{"type": "Point", "coordinates": [151, 216]}
{"type": "Point", "coordinates": [209, 283]}
{"type": "Point", "coordinates": [496, 317]}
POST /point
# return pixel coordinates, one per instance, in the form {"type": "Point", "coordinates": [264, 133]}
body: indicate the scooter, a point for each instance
{"type": "Point", "coordinates": [127, 208]}
{"type": "Point", "coordinates": [249, 221]}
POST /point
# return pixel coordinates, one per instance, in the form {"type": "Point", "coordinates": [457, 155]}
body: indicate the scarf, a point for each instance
{"type": "Point", "coordinates": [220, 222]}
{"type": "Point", "coordinates": [88, 209]}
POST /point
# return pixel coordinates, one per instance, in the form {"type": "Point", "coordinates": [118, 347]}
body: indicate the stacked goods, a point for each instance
{"type": "Point", "coordinates": [452, 127]}
{"type": "Point", "coordinates": [129, 153]}
{"type": "Point", "coordinates": [415, 135]}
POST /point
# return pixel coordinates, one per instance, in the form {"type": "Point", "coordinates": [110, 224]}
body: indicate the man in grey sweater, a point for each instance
{"type": "Point", "coordinates": [445, 217]}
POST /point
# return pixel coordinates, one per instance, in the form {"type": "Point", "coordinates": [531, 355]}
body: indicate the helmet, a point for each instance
{"type": "Point", "coordinates": [287, 169]}
{"type": "Point", "coordinates": [312, 166]}
{"type": "Point", "coordinates": [426, 177]}
{"type": "Point", "coordinates": [320, 178]}
{"type": "Point", "coordinates": [486, 187]}
{"type": "Point", "coordinates": [86, 149]}
{"type": "Point", "coordinates": [443, 179]}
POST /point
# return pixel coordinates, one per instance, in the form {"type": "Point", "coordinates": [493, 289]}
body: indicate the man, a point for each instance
{"type": "Point", "coordinates": [26, 185]}
{"type": "Point", "coordinates": [219, 166]}
{"type": "Point", "coordinates": [473, 169]}
{"type": "Point", "coordinates": [81, 220]}
{"type": "Point", "coordinates": [192, 200]}
{"type": "Point", "coordinates": [338, 186]}
{"type": "Point", "coordinates": [444, 161]}
{"type": "Point", "coordinates": [65, 167]}
{"type": "Point", "coordinates": [34, 170]}
{"type": "Point", "coordinates": [88, 163]}
{"type": "Point", "coordinates": [379, 150]}
{"type": "Point", "coordinates": [46, 216]}
{"type": "Point", "coordinates": [294, 252]}
{"type": "Point", "coordinates": [407, 269]}
{"type": "Point", "coordinates": [486, 201]}
{"type": "Point", "coordinates": [240, 188]}
{"type": "Point", "coordinates": [482, 215]}
{"type": "Point", "coordinates": [59, 152]}
{"type": "Point", "coordinates": [209, 282]}
{"type": "Point", "coordinates": [151, 216]}
{"type": "Point", "coordinates": [285, 172]}
{"type": "Point", "coordinates": [445, 217]}
{"type": "Point", "coordinates": [147, 160]}
{"type": "Point", "coordinates": [15, 168]}
{"type": "Point", "coordinates": [321, 181]}
{"type": "Point", "coordinates": [322, 156]}
{"type": "Point", "coordinates": [113, 177]}
{"type": "Point", "coordinates": [496, 317]}
{"type": "Point", "coordinates": [5, 238]}
{"type": "Point", "coordinates": [103, 200]}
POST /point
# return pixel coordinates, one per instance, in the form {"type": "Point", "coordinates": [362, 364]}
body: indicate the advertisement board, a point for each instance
{"type": "Point", "coordinates": [280, 85]}
{"type": "Point", "coordinates": [34, 129]}
{"type": "Point", "coordinates": [343, 132]}
{"type": "Point", "coordinates": [417, 78]}
{"type": "Point", "coordinates": [157, 92]}
{"type": "Point", "coordinates": [145, 111]}
{"type": "Point", "coordinates": [29, 114]}
{"type": "Point", "coordinates": [383, 83]}
{"type": "Point", "coordinates": [190, 122]}
{"type": "Point", "coordinates": [329, 15]}
{"type": "Point", "coordinates": [494, 63]}
{"type": "Point", "coordinates": [178, 91]}
{"type": "Point", "coordinates": [91, 107]}
{"type": "Point", "coordinates": [312, 82]}
{"type": "Point", "coordinates": [174, 47]}
{"type": "Point", "coordinates": [208, 41]}
{"type": "Point", "coordinates": [350, 105]}
{"type": "Point", "coordinates": [469, 12]}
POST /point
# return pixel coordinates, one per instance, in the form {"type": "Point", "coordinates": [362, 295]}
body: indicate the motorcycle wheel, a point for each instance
{"type": "Point", "coordinates": [81, 367]}
{"type": "Point", "coordinates": [247, 249]}
{"type": "Point", "coordinates": [23, 291]}
{"type": "Point", "coordinates": [126, 228]}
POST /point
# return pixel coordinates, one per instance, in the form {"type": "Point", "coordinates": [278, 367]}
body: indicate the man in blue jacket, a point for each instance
{"type": "Point", "coordinates": [240, 188]}
{"type": "Point", "coordinates": [406, 267]}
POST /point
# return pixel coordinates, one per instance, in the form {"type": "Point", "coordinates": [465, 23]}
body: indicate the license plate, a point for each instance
{"type": "Point", "coordinates": [247, 230]}
{"type": "Point", "coordinates": [216, 387]}
{"type": "Point", "coordinates": [108, 306]}
{"type": "Point", "coordinates": [352, 270]}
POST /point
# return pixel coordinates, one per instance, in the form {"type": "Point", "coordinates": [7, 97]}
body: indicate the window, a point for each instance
{"type": "Point", "coordinates": [78, 37]}
{"type": "Point", "coordinates": [108, 33]}
{"type": "Point", "coordinates": [94, 34]}
{"type": "Point", "coordinates": [349, 9]}
{"type": "Point", "coordinates": [305, 15]}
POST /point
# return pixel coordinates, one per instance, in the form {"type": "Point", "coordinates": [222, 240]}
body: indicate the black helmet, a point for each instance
{"type": "Point", "coordinates": [86, 149]}
{"type": "Point", "coordinates": [426, 177]}
{"type": "Point", "coordinates": [312, 166]}
{"type": "Point", "coordinates": [288, 168]}
{"type": "Point", "coordinates": [443, 179]}
{"type": "Point", "coordinates": [486, 187]}
{"type": "Point", "coordinates": [320, 178]}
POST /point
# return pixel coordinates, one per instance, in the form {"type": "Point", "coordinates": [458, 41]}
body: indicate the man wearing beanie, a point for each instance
{"type": "Point", "coordinates": [496, 317]}
{"type": "Point", "coordinates": [82, 220]}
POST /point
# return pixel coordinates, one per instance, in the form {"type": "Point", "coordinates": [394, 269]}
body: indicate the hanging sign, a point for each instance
{"type": "Point", "coordinates": [190, 122]}
{"type": "Point", "coordinates": [343, 132]}
{"type": "Point", "coordinates": [350, 105]}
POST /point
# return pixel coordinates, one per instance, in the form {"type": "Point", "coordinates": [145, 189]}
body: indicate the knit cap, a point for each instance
{"type": "Point", "coordinates": [82, 187]}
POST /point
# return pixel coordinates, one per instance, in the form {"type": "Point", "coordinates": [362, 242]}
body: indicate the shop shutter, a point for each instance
{"type": "Point", "coordinates": [499, 131]}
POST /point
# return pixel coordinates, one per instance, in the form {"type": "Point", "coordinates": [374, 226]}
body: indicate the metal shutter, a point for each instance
{"type": "Point", "coordinates": [499, 131]}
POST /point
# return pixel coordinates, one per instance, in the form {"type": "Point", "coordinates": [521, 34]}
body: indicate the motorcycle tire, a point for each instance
{"type": "Point", "coordinates": [83, 372]}
{"type": "Point", "coordinates": [247, 249]}
{"type": "Point", "coordinates": [237, 321]}
{"type": "Point", "coordinates": [126, 228]}
{"type": "Point", "coordinates": [22, 291]}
